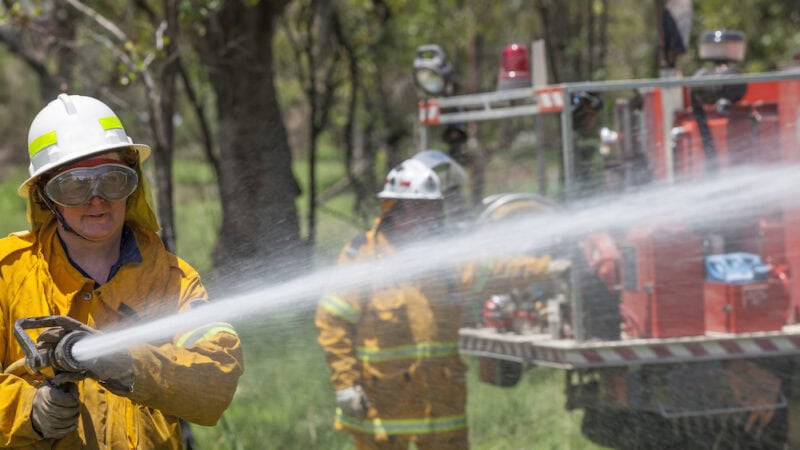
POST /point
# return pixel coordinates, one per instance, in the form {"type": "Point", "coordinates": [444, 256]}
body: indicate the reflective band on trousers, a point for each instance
{"type": "Point", "coordinates": [403, 426]}
{"type": "Point", "coordinates": [50, 138]}
{"type": "Point", "coordinates": [204, 333]}
{"type": "Point", "coordinates": [340, 308]}
{"type": "Point", "coordinates": [425, 350]}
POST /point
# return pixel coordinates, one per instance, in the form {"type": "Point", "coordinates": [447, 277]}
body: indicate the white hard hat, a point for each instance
{"type": "Point", "coordinates": [502, 206]}
{"type": "Point", "coordinates": [70, 128]}
{"type": "Point", "coordinates": [429, 175]}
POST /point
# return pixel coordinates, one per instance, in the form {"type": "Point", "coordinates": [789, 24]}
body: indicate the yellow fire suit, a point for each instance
{"type": "Point", "coordinates": [399, 341]}
{"type": "Point", "coordinates": [193, 376]}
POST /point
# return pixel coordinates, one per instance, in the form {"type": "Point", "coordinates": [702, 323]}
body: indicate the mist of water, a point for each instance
{"type": "Point", "coordinates": [720, 199]}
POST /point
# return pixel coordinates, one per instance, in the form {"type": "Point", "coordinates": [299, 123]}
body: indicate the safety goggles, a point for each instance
{"type": "Point", "coordinates": [75, 187]}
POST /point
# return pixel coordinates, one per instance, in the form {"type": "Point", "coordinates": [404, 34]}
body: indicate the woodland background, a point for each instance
{"type": "Point", "coordinates": [274, 122]}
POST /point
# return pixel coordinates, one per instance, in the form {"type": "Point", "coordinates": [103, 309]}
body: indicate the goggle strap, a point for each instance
{"type": "Point", "coordinates": [57, 213]}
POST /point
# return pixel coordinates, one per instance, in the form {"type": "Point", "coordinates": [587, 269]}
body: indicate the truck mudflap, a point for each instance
{"type": "Point", "coordinates": [542, 349]}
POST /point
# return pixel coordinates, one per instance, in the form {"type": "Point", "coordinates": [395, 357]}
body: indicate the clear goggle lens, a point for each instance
{"type": "Point", "coordinates": [75, 187]}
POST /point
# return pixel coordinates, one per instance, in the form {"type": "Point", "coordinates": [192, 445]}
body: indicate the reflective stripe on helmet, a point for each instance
{"type": "Point", "coordinates": [50, 138]}
{"type": "Point", "coordinates": [414, 351]}
{"type": "Point", "coordinates": [109, 123]}
{"type": "Point", "coordinates": [427, 425]}
{"type": "Point", "coordinates": [340, 308]}
{"type": "Point", "coordinates": [204, 333]}
{"type": "Point", "coordinates": [43, 141]}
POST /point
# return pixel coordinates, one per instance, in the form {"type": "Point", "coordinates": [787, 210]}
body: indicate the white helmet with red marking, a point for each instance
{"type": "Point", "coordinates": [429, 175]}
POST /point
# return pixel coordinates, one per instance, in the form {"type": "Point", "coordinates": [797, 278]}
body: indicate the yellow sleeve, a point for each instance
{"type": "Point", "coordinates": [336, 319]}
{"type": "Point", "coordinates": [195, 382]}
{"type": "Point", "coordinates": [194, 376]}
{"type": "Point", "coordinates": [16, 429]}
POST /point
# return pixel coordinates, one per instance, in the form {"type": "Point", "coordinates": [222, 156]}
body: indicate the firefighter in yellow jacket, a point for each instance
{"type": "Point", "coordinates": [92, 254]}
{"type": "Point", "coordinates": [393, 347]}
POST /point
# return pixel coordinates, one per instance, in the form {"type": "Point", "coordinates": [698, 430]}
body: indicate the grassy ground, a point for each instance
{"type": "Point", "coordinates": [284, 400]}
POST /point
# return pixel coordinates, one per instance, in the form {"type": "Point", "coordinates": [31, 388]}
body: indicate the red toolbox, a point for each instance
{"type": "Point", "coordinates": [662, 278]}
{"type": "Point", "coordinates": [744, 307]}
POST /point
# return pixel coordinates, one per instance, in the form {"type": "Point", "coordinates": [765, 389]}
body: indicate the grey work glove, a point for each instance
{"type": "Point", "coordinates": [114, 371]}
{"type": "Point", "coordinates": [353, 401]}
{"type": "Point", "coordinates": [55, 410]}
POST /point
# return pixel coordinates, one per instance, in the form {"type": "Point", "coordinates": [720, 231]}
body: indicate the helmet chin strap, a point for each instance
{"type": "Point", "coordinates": [60, 217]}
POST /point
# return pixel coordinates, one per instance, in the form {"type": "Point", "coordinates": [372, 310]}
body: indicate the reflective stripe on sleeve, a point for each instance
{"type": "Point", "coordinates": [204, 333]}
{"type": "Point", "coordinates": [403, 426]}
{"type": "Point", "coordinates": [414, 351]}
{"type": "Point", "coordinates": [340, 308]}
{"type": "Point", "coordinates": [42, 142]}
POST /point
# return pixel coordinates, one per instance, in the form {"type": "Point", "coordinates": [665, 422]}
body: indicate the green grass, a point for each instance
{"type": "Point", "coordinates": [12, 206]}
{"type": "Point", "coordinates": [285, 399]}
{"type": "Point", "coordinates": [529, 415]}
{"type": "Point", "coordinates": [197, 212]}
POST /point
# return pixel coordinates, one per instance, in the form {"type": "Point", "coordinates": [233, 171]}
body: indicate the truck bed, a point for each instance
{"type": "Point", "coordinates": [542, 349]}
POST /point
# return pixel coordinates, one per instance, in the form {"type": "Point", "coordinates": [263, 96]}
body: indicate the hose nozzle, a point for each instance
{"type": "Point", "coordinates": [57, 357]}
{"type": "Point", "coordinates": [62, 358]}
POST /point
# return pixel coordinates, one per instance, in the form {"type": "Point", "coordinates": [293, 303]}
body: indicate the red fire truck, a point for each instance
{"type": "Point", "coordinates": [671, 335]}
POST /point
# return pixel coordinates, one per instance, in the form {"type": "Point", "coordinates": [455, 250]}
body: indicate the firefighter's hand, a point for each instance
{"type": "Point", "coordinates": [48, 340]}
{"type": "Point", "coordinates": [114, 371]}
{"type": "Point", "coordinates": [55, 410]}
{"type": "Point", "coordinates": [558, 266]}
{"type": "Point", "coordinates": [353, 401]}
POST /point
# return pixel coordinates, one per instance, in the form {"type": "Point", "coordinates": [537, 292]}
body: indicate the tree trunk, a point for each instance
{"type": "Point", "coordinates": [163, 107]}
{"type": "Point", "coordinates": [260, 232]}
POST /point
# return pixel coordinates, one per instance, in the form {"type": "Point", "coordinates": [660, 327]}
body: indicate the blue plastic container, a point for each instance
{"type": "Point", "coordinates": [737, 267]}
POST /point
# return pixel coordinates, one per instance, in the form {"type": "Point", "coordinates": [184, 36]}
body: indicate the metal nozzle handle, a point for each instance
{"type": "Point", "coordinates": [33, 359]}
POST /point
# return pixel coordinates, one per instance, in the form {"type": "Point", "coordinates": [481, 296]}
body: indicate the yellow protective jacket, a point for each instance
{"type": "Point", "coordinates": [194, 376]}
{"type": "Point", "coordinates": [399, 341]}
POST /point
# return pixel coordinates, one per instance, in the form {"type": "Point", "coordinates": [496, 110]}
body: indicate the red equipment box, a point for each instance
{"type": "Point", "coordinates": [745, 307]}
{"type": "Point", "coordinates": [663, 276]}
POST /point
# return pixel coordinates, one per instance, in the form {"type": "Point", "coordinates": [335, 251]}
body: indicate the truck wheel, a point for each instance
{"type": "Point", "coordinates": [498, 372]}
{"type": "Point", "coordinates": [629, 430]}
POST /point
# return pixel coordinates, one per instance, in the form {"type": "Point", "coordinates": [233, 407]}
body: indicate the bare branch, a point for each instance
{"type": "Point", "coordinates": [142, 4]}
{"type": "Point", "coordinates": [14, 44]}
{"type": "Point", "coordinates": [99, 19]}
{"type": "Point", "coordinates": [296, 49]}
{"type": "Point", "coordinates": [208, 142]}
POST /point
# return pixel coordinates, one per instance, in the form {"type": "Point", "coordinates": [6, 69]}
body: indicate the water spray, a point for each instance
{"type": "Point", "coordinates": [718, 197]}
